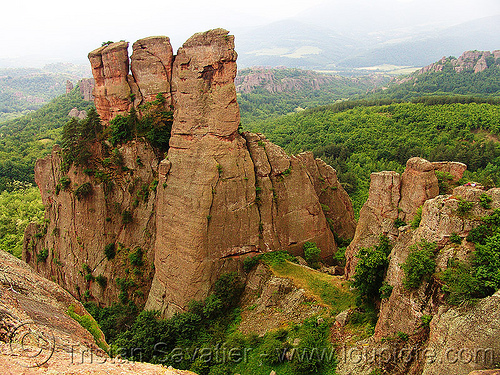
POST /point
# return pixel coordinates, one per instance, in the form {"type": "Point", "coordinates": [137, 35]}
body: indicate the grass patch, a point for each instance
{"type": "Point", "coordinates": [329, 290]}
{"type": "Point", "coordinates": [89, 323]}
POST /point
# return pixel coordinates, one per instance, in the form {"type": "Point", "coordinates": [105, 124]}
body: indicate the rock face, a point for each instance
{"type": "Point", "coordinates": [218, 195]}
{"type": "Point", "coordinates": [470, 332]}
{"type": "Point", "coordinates": [78, 230]}
{"type": "Point", "coordinates": [31, 303]}
{"type": "Point", "coordinates": [86, 87]}
{"type": "Point", "coordinates": [392, 197]}
{"type": "Point", "coordinates": [110, 68]}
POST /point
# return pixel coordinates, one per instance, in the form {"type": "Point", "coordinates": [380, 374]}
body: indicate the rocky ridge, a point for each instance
{"type": "Point", "coordinates": [474, 61]}
{"type": "Point", "coordinates": [451, 328]}
{"type": "Point", "coordinates": [216, 197]}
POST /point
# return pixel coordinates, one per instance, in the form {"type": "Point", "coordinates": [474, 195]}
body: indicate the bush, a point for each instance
{"type": "Point", "coordinates": [371, 268]}
{"type": "Point", "coordinates": [455, 238]}
{"type": "Point", "coordinates": [65, 182]}
{"type": "Point", "coordinates": [464, 207]}
{"type": "Point", "coordinates": [135, 258]}
{"type": "Point", "coordinates": [42, 255]}
{"type": "Point", "coordinates": [426, 320]}
{"type": "Point", "coordinates": [415, 223]}
{"type": "Point", "coordinates": [250, 262]}
{"type": "Point", "coordinates": [127, 217]}
{"type": "Point", "coordinates": [444, 179]}
{"type": "Point", "coordinates": [311, 254]}
{"type": "Point", "coordinates": [479, 234]}
{"type": "Point", "coordinates": [399, 223]}
{"type": "Point", "coordinates": [83, 191]}
{"type": "Point", "coordinates": [461, 284]}
{"type": "Point", "coordinates": [485, 201]}
{"type": "Point", "coordinates": [419, 265]}
{"type": "Point", "coordinates": [102, 281]}
{"type": "Point", "coordinates": [110, 251]}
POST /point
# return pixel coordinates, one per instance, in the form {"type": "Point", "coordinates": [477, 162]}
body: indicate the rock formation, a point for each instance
{"type": "Point", "coordinates": [452, 329]}
{"type": "Point", "coordinates": [217, 196]}
{"type": "Point", "coordinates": [31, 303]}
{"type": "Point", "coordinates": [472, 61]}
{"type": "Point", "coordinates": [393, 196]}
{"type": "Point", "coordinates": [86, 87]}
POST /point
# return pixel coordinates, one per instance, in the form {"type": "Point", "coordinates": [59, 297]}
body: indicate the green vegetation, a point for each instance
{"type": "Point", "coordinates": [89, 323]}
{"type": "Point", "coordinates": [311, 254]}
{"type": "Point", "coordinates": [260, 104]}
{"type": "Point", "coordinates": [370, 271]}
{"type": "Point", "coordinates": [420, 264]}
{"type": "Point", "coordinates": [479, 276]}
{"type": "Point", "coordinates": [24, 90]}
{"type": "Point", "coordinates": [464, 207]}
{"type": "Point", "coordinates": [485, 201]}
{"type": "Point", "coordinates": [415, 222]}
{"type": "Point", "coordinates": [83, 191]}
{"type": "Point", "coordinates": [449, 82]}
{"type": "Point", "coordinates": [361, 137]}
{"type": "Point", "coordinates": [42, 255]}
{"type": "Point", "coordinates": [110, 251]}
{"type": "Point", "coordinates": [26, 139]}
{"type": "Point", "coordinates": [18, 208]}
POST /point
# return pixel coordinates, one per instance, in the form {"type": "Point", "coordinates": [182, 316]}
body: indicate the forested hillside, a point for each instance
{"type": "Point", "coordinates": [367, 138]}
{"type": "Point", "coordinates": [30, 137]}
{"type": "Point", "coordinates": [24, 90]}
{"type": "Point", "coordinates": [473, 73]}
{"type": "Point", "coordinates": [265, 92]}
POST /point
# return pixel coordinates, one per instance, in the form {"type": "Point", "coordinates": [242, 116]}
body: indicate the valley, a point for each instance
{"type": "Point", "coordinates": [287, 216]}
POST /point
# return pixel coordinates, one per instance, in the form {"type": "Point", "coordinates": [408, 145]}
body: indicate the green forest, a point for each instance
{"type": "Point", "coordinates": [370, 137]}
{"type": "Point", "coordinates": [24, 90]}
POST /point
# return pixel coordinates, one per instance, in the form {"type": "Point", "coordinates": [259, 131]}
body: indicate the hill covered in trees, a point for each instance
{"type": "Point", "coordinates": [359, 138]}
{"type": "Point", "coordinates": [473, 73]}
{"type": "Point", "coordinates": [24, 90]}
{"type": "Point", "coordinates": [266, 92]}
{"type": "Point", "coordinates": [25, 139]}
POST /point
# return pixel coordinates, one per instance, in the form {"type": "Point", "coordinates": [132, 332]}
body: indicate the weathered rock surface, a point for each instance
{"type": "Point", "coordinates": [151, 66]}
{"type": "Point", "coordinates": [77, 231]}
{"type": "Point", "coordinates": [392, 197]}
{"type": "Point", "coordinates": [32, 306]}
{"type": "Point", "coordinates": [220, 194]}
{"type": "Point", "coordinates": [86, 87]}
{"type": "Point", "coordinates": [110, 67]}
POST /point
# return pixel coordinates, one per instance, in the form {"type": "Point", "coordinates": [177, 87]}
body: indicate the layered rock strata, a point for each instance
{"type": "Point", "coordinates": [217, 196]}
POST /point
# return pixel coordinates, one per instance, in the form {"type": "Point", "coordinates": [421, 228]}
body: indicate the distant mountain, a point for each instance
{"type": "Point", "coordinates": [481, 34]}
{"type": "Point", "coordinates": [27, 89]}
{"type": "Point", "coordinates": [294, 43]}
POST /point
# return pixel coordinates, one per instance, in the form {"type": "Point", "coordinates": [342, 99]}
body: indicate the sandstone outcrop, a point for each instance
{"type": "Point", "coordinates": [396, 197]}
{"type": "Point", "coordinates": [216, 197]}
{"type": "Point", "coordinates": [33, 307]}
{"type": "Point", "coordinates": [92, 236]}
{"type": "Point", "coordinates": [110, 68]}
{"type": "Point", "coordinates": [471, 330]}
{"type": "Point", "coordinates": [86, 86]}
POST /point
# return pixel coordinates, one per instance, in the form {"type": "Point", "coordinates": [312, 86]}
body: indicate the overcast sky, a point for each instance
{"type": "Point", "coordinates": [68, 29]}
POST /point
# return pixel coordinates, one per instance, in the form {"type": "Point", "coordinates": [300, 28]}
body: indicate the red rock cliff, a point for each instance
{"type": "Point", "coordinates": [217, 196]}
